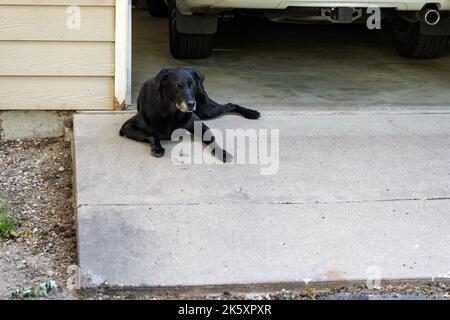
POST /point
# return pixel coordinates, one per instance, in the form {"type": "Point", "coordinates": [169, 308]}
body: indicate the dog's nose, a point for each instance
{"type": "Point", "coordinates": [191, 104]}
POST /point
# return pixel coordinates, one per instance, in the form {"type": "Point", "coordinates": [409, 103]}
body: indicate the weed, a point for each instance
{"type": "Point", "coordinates": [8, 225]}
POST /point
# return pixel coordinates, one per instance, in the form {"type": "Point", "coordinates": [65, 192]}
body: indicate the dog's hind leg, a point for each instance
{"type": "Point", "coordinates": [212, 109]}
{"type": "Point", "coordinates": [132, 131]}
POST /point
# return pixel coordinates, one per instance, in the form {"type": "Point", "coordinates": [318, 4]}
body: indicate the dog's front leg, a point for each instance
{"type": "Point", "coordinates": [217, 150]}
{"type": "Point", "coordinates": [155, 146]}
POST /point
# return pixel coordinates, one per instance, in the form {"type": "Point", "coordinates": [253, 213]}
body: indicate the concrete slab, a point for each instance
{"type": "Point", "coordinates": [221, 244]}
{"type": "Point", "coordinates": [269, 64]}
{"type": "Point", "coordinates": [353, 193]}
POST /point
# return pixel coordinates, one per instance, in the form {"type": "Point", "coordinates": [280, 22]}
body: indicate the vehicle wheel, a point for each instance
{"type": "Point", "coordinates": [187, 46]}
{"type": "Point", "coordinates": [410, 43]}
{"type": "Point", "coordinates": [158, 8]}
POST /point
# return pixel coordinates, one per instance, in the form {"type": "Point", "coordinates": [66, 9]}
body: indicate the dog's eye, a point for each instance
{"type": "Point", "coordinates": [179, 85]}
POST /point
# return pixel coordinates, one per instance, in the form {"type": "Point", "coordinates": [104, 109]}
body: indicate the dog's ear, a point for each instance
{"type": "Point", "coordinates": [161, 78]}
{"type": "Point", "coordinates": [198, 76]}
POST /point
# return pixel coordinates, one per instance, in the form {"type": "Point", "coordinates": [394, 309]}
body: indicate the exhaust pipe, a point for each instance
{"type": "Point", "coordinates": [430, 16]}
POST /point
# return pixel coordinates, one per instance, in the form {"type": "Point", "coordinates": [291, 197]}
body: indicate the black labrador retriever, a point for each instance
{"type": "Point", "coordinates": [174, 99]}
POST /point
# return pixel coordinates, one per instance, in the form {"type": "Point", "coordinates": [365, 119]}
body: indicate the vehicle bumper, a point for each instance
{"type": "Point", "coordinates": [190, 6]}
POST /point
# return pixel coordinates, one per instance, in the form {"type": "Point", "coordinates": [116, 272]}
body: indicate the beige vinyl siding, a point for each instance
{"type": "Point", "coordinates": [109, 3]}
{"type": "Point", "coordinates": [56, 93]}
{"type": "Point", "coordinates": [50, 23]}
{"type": "Point", "coordinates": [47, 66]}
{"type": "Point", "coordinates": [67, 58]}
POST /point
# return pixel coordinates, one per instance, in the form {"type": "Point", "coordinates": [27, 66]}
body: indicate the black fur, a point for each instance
{"type": "Point", "coordinates": [174, 99]}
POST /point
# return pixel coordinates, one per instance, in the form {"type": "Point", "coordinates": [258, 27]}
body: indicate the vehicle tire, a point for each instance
{"type": "Point", "coordinates": [158, 8]}
{"type": "Point", "coordinates": [410, 43]}
{"type": "Point", "coordinates": [187, 46]}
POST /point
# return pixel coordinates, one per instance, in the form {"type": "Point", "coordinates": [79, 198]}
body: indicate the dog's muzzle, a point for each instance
{"type": "Point", "coordinates": [189, 106]}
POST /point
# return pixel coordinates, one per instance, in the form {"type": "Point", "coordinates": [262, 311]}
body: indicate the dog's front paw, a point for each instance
{"type": "Point", "coordinates": [252, 114]}
{"type": "Point", "coordinates": [158, 152]}
{"type": "Point", "coordinates": [227, 157]}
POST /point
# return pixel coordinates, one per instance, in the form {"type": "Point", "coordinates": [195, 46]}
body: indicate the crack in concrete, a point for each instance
{"type": "Point", "coordinates": [261, 203]}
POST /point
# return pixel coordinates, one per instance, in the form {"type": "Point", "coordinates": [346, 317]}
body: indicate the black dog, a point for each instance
{"type": "Point", "coordinates": [175, 99]}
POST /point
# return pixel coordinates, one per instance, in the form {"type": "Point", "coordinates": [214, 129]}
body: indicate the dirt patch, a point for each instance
{"type": "Point", "coordinates": [36, 184]}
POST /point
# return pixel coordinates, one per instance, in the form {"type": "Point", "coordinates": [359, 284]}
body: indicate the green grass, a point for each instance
{"type": "Point", "coordinates": [8, 225]}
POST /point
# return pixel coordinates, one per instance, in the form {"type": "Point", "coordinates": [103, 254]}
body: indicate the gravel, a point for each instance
{"type": "Point", "coordinates": [36, 182]}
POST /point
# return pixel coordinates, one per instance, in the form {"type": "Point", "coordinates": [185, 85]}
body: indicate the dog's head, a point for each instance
{"type": "Point", "coordinates": [179, 87]}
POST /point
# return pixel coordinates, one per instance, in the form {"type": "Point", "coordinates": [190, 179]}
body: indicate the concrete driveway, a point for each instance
{"type": "Point", "coordinates": [362, 186]}
{"type": "Point", "coordinates": [355, 197]}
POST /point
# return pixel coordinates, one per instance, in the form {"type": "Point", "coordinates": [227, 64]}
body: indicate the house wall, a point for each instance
{"type": "Point", "coordinates": [45, 65]}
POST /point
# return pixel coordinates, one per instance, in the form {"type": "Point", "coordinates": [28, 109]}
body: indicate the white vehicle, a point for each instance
{"type": "Point", "coordinates": [420, 29]}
